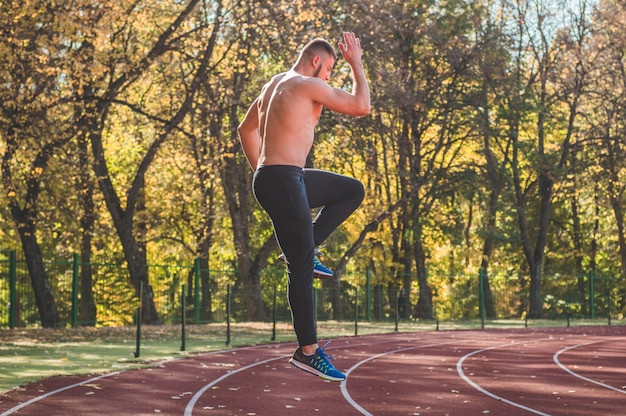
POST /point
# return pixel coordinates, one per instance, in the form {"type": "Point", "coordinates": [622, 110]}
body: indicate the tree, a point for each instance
{"type": "Point", "coordinates": [534, 97]}
{"type": "Point", "coordinates": [430, 59]}
{"type": "Point", "coordinates": [272, 34]}
{"type": "Point", "coordinates": [85, 188]}
{"type": "Point", "coordinates": [605, 113]}
{"type": "Point", "coordinates": [495, 142]}
{"type": "Point", "coordinates": [112, 50]}
{"type": "Point", "coordinates": [491, 69]}
{"type": "Point", "coordinates": [34, 114]}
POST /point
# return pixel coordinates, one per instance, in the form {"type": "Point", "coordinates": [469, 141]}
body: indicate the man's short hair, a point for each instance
{"type": "Point", "coordinates": [317, 46]}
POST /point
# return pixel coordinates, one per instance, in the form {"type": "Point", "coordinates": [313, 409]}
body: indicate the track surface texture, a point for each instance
{"type": "Point", "coordinates": [548, 371]}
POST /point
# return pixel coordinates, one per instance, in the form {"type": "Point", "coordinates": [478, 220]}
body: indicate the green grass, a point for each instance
{"type": "Point", "coordinates": [27, 355]}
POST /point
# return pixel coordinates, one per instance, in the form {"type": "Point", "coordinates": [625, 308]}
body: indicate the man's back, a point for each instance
{"type": "Point", "coordinates": [288, 116]}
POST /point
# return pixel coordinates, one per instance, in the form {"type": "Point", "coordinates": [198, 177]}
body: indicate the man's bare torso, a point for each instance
{"type": "Point", "coordinates": [288, 117]}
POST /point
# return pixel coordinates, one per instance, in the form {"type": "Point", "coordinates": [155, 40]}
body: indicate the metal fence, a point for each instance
{"type": "Point", "coordinates": [205, 296]}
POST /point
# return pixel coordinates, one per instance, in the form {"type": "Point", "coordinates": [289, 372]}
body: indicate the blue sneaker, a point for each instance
{"type": "Point", "coordinates": [317, 364]}
{"type": "Point", "coordinates": [319, 270]}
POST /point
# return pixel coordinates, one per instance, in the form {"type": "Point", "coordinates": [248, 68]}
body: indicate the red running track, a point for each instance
{"type": "Point", "coordinates": [565, 371]}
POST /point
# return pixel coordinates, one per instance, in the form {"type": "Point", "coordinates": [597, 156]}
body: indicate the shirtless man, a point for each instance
{"type": "Point", "coordinates": [276, 136]}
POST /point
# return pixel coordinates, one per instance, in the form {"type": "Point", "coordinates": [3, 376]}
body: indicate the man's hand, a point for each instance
{"type": "Point", "coordinates": [350, 48]}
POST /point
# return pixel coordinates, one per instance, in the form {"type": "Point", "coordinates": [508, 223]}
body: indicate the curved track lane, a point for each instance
{"type": "Point", "coordinates": [574, 371]}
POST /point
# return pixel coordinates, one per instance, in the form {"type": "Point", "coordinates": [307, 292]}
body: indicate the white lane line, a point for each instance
{"type": "Point", "coordinates": [62, 389]}
{"type": "Point", "coordinates": [50, 393]}
{"type": "Point", "coordinates": [190, 408]}
{"type": "Point", "coordinates": [199, 393]}
{"type": "Point", "coordinates": [556, 360]}
{"type": "Point", "coordinates": [344, 389]}
{"type": "Point", "coordinates": [459, 370]}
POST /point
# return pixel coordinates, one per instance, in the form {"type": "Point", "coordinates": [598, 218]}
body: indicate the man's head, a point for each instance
{"type": "Point", "coordinates": [317, 59]}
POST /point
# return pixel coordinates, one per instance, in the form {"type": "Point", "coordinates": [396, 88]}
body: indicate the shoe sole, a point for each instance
{"type": "Point", "coordinates": [321, 275]}
{"type": "Point", "coordinates": [313, 371]}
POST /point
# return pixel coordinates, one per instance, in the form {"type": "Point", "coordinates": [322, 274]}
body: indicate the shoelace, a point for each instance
{"type": "Point", "coordinates": [322, 360]}
{"type": "Point", "coordinates": [324, 354]}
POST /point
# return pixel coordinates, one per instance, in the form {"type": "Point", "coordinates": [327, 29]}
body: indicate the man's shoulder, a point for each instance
{"type": "Point", "coordinates": [294, 83]}
{"type": "Point", "coordinates": [278, 77]}
{"type": "Point", "coordinates": [274, 80]}
{"type": "Point", "coordinates": [305, 83]}
{"type": "Point", "coordinates": [298, 78]}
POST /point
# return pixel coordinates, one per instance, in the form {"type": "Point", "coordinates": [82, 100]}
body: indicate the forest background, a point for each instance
{"type": "Point", "coordinates": [495, 144]}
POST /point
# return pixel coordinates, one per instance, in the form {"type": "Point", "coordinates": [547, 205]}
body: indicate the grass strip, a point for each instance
{"type": "Point", "coordinates": [27, 355]}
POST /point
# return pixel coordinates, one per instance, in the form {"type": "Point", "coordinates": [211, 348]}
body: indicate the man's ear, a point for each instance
{"type": "Point", "coordinates": [316, 60]}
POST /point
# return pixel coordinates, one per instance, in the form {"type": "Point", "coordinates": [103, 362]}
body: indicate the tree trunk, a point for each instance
{"type": "Point", "coordinates": [618, 211]}
{"type": "Point", "coordinates": [237, 191]}
{"type": "Point", "coordinates": [206, 312]}
{"type": "Point", "coordinates": [26, 228]}
{"type": "Point", "coordinates": [138, 269]}
{"type": "Point", "coordinates": [490, 309]}
{"type": "Point", "coordinates": [39, 278]}
{"type": "Point", "coordinates": [377, 294]}
{"type": "Point", "coordinates": [250, 270]}
{"type": "Point", "coordinates": [577, 240]}
{"type": "Point", "coordinates": [534, 255]}
{"type": "Point", "coordinates": [334, 287]}
{"type": "Point", "coordinates": [251, 280]}
{"type": "Point", "coordinates": [24, 219]}
{"type": "Point", "coordinates": [122, 219]}
{"type": "Point", "coordinates": [204, 232]}
{"type": "Point", "coordinates": [496, 185]}
{"type": "Point", "coordinates": [87, 306]}
{"type": "Point", "coordinates": [535, 309]}
{"type": "Point", "coordinates": [340, 268]}
{"type": "Point", "coordinates": [424, 308]}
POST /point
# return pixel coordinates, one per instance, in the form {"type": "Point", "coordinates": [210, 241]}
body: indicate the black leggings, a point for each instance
{"type": "Point", "coordinates": [288, 193]}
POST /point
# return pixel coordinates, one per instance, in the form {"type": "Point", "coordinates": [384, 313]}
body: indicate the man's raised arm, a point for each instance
{"type": "Point", "coordinates": [248, 131]}
{"type": "Point", "coordinates": [351, 52]}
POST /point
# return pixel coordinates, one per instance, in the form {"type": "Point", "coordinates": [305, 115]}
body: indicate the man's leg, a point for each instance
{"type": "Point", "coordinates": [338, 195]}
{"type": "Point", "coordinates": [280, 191]}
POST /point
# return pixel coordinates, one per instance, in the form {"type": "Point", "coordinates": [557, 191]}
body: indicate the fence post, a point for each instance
{"type": "Point", "coordinates": [196, 291]}
{"type": "Point", "coordinates": [228, 315]}
{"type": "Point", "coordinates": [481, 297]}
{"type": "Point", "coordinates": [397, 306]}
{"type": "Point", "coordinates": [315, 305]}
{"type": "Point", "coordinates": [274, 315]}
{"type": "Point", "coordinates": [368, 294]}
{"type": "Point", "coordinates": [12, 289]}
{"type": "Point", "coordinates": [75, 264]}
{"type": "Point", "coordinates": [356, 311]}
{"type": "Point", "coordinates": [183, 318]}
{"type": "Point", "coordinates": [592, 294]}
{"type": "Point", "coordinates": [609, 300]}
{"type": "Point", "coordinates": [138, 338]}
